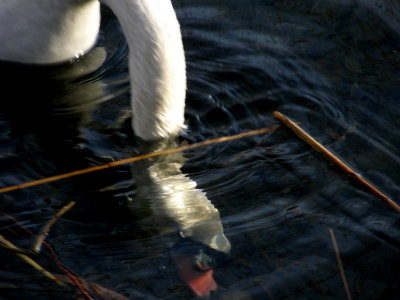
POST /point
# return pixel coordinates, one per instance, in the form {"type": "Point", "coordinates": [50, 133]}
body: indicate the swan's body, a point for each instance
{"type": "Point", "coordinates": [53, 31]}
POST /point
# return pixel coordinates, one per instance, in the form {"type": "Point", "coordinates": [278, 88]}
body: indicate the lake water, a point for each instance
{"type": "Point", "coordinates": [333, 66]}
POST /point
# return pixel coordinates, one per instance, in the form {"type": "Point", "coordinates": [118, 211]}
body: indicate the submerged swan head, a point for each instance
{"type": "Point", "coordinates": [49, 31]}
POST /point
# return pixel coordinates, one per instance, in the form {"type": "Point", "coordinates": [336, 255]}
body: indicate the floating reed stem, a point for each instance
{"type": "Point", "coordinates": [75, 280]}
{"type": "Point", "coordinates": [348, 170]}
{"type": "Point", "coordinates": [8, 245]}
{"type": "Point", "coordinates": [340, 263]}
{"type": "Point", "coordinates": [45, 230]}
{"type": "Point", "coordinates": [135, 159]}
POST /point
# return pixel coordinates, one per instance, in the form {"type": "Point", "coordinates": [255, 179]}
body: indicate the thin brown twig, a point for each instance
{"type": "Point", "coordinates": [18, 250]}
{"type": "Point", "coordinates": [43, 233]}
{"type": "Point", "coordinates": [45, 230]}
{"type": "Point", "coordinates": [135, 159]}
{"type": "Point", "coordinates": [27, 230]}
{"type": "Point", "coordinates": [73, 278]}
{"type": "Point", "coordinates": [28, 260]}
{"type": "Point", "coordinates": [321, 149]}
{"type": "Point", "coordinates": [340, 263]}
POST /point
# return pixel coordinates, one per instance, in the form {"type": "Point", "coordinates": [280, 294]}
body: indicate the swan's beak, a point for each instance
{"type": "Point", "coordinates": [196, 275]}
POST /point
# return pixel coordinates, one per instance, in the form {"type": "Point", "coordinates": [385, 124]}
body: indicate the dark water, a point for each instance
{"type": "Point", "coordinates": [334, 66]}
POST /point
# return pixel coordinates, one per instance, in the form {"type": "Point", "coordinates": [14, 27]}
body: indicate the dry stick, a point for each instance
{"type": "Point", "coordinates": [28, 260]}
{"type": "Point", "coordinates": [74, 279]}
{"type": "Point", "coordinates": [321, 149]}
{"type": "Point", "coordinates": [43, 233]}
{"type": "Point", "coordinates": [17, 250]}
{"type": "Point", "coordinates": [339, 261]}
{"type": "Point", "coordinates": [45, 230]}
{"type": "Point", "coordinates": [135, 159]}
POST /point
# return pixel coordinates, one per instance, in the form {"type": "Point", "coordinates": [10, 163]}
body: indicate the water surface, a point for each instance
{"type": "Point", "coordinates": [333, 66]}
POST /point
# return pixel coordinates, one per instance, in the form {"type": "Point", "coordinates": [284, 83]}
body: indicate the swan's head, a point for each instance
{"type": "Point", "coordinates": [210, 233]}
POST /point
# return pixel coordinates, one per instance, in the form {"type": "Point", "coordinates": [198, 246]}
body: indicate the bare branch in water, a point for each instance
{"type": "Point", "coordinates": [45, 230]}
{"type": "Point", "coordinates": [135, 159]}
{"type": "Point", "coordinates": [28, 260]}
{"type": "Point", "coordinates": [74, 279]}
{"type": "Point", "coordinates": [348, 170]}
{"type": "Point", "coordinates": [339, 261]}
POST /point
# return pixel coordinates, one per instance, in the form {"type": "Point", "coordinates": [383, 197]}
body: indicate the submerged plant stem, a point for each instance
{"type": "Point", "coordinates": [28, 260]}
{"type": "Point", "coordinates": [45, 230]}
{"type": "Point", "coordinates": [340, 263]}
{"type": "Point", "coordinates": [348, 170]}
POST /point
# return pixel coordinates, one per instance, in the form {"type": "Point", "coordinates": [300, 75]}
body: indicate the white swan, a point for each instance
{"type": "Point", "coordinates": [53, 31]}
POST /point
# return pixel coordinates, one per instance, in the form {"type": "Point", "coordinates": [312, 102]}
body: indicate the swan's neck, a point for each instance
{"type": "Point", "coordinates": [157, 65]}
{"type": "Point", "coordinates": [46, 31]}
{"type": "Point", "coordinates": [50, 31]}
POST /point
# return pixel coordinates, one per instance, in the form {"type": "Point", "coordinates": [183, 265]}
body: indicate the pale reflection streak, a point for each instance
{"type": "Point", "coordinates": [173, 198]}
